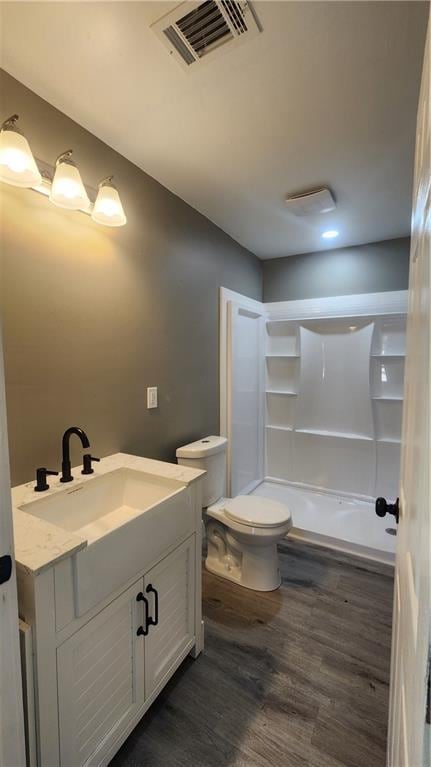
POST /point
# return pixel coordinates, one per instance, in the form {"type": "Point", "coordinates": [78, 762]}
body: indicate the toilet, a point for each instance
{"type": "Point", "coordinates": [243, 532]}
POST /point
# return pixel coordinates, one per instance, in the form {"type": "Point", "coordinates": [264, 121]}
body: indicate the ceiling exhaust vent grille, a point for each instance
{"type": "Point", "coordinates": [191, 36]}
{"type": "Point", "coordinates": [311, 203]}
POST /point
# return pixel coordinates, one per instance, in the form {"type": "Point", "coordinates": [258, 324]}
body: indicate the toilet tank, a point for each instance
{"type": "Point", "coordinates": [209, 454]}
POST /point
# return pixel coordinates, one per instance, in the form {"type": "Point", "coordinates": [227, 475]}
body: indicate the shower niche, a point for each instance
{"type": "Point", "coordinates": [334, 394]}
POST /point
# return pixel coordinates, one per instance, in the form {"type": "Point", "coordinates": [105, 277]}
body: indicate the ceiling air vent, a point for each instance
{"type": "Point", "coordinates": [194, 31]}
{"type": "Point", "coordinates": [311, 203]}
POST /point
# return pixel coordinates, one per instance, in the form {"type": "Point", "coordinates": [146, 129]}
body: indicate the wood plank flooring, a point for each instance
{"type": "Point", "coordinates": [293, 678]}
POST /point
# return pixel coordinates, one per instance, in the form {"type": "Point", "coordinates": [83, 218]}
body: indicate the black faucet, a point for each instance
{"type": "Point", "coordinates": [66, 475]}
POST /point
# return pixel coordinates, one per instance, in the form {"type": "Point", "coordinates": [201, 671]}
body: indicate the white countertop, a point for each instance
{"type": "Point", "coordinates": [39, 544]}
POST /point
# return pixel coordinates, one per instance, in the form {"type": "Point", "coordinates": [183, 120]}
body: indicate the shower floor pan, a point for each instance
{"type": "Point", "coordinates": [344, 524]}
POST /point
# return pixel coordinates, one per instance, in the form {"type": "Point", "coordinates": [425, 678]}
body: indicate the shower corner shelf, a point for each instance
{"type": "Point", "coordinates": [387, 398]}
{"type": "Point", "coordinates": [279, 321]}
{"type": "Point", "coordinates": [279, 428]}
{"type": "Point", "coordinates": [336, 434]}
{"type": "Point", "coordinates": [381, 356]}
{"type": "Point", "coordinates": [279, 391]}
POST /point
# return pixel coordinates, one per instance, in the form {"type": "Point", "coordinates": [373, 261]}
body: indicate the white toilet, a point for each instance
{"type": "Point", "coordinates": [242, 533]}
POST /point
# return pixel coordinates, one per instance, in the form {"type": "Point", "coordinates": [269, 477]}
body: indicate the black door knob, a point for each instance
{"type": "Point", "coordinates": [383, 508]}
{"type": "Point", "coordinates": [5, 568]}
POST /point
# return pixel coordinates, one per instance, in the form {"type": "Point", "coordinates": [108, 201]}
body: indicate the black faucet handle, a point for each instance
{"type": "Point", "coordinates": [41, 475]}
{"type": "Point", "coordinates": [88, 459]}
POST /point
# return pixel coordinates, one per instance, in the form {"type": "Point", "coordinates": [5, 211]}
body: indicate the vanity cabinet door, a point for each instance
{"type": "Point", "coordinates": [100, 679]}
{"type": "Point", "coordinates": [170, 590]}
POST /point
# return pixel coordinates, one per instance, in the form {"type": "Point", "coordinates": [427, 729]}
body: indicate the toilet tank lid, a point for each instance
{"type": "Point", "coordinates": [202, 447]}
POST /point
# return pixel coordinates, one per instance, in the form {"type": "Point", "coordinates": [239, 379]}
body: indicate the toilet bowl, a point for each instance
{"type": "Point", "coordinates": [242, 536]}
{"type": "Point", "coordinates": [243, 532]}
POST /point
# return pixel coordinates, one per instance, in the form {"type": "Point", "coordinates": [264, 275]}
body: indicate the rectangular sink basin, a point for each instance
{"type": "Point", "coordinates": [128, 517]}
{"type": "Point", "coordinates": [94, 508]}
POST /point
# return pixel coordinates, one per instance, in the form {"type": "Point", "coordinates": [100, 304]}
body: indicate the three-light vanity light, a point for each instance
{"type": "Point", "coordinates": [64, 187]}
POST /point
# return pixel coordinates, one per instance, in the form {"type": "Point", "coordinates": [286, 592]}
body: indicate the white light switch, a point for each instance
{"type": "Point", "coordinates": [151, 397]}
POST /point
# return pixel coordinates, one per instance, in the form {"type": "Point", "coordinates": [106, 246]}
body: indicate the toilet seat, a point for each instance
{"type": "Point", "coordinates": [254, 511]}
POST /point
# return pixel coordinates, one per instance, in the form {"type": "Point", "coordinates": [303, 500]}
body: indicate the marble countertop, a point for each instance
{"type": "Point", "coordinates": [40, 544]}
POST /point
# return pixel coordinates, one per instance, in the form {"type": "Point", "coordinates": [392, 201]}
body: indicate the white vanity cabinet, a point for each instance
{"type": "Point", "coordinates": [123, 656]}
{"type": "Point", "coordinates": [169, 588]}
{"type": "Point", "coordinates": [96, 673]}
{"type": "Point", "coordinates": [101, 679]}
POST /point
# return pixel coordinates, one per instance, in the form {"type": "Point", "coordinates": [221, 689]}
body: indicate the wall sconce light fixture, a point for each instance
{"type": "Point", "coordinates": [17, 164]}
{"type": "Point", "coordinates": [107, 208]}
{"type": "Point", "coordinates": [67, 189]}
{"type": "Point", "coordinates": [62, 184]}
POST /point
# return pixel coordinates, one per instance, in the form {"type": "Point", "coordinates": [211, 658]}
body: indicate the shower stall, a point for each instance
{"type": "Point", "coordinates": [311, 403]}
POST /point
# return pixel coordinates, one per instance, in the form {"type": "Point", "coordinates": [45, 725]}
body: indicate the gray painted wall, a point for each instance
{"type": "Point", "coordinates": [92, 316]}
{"type": "Point", "coordinates": [371, 268]}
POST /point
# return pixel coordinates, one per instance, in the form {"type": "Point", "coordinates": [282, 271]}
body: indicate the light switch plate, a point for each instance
{"type": "Point", "coordinates": [151, 397]}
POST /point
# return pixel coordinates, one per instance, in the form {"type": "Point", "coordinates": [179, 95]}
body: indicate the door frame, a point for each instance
{"type": "Point", "coordinates": [12, 742]}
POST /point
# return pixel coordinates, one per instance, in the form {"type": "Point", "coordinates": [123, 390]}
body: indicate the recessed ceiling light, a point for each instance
{"type": "Point", "coordinates": [330, 234]}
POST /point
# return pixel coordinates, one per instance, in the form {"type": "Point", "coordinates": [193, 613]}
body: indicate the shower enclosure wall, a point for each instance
{"type": "Point", "coordinates": [312, 396]}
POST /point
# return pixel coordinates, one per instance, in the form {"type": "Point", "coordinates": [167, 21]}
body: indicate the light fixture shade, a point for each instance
{"type": "Point", "coordinates": [67, 189]}
{"type": "Point", "coordinates": [17, 164]}
{"type": "Point", "coordinates": [108, 209]}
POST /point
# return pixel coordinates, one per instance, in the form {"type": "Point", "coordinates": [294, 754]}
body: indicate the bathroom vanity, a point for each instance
{"type": "Point", "coordinates": [109, 583]}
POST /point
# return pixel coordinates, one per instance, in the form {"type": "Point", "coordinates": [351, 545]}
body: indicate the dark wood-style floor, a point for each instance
{"type": "Point", "coordinates": [293, 678]}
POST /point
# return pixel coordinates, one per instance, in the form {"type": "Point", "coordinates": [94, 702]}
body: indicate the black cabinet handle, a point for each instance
{"type": "Point", "coordinates": [143, 630]}
{"type": "Point", "coordinates": [383, 508]}
{"type": "Point", "coordinates": [153, 621]}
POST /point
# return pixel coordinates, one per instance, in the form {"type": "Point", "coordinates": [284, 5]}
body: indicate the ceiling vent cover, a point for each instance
{"type": "Point", "coordinates": [311, 203]}
{"type": "Point", "coordinates": [194, 31]}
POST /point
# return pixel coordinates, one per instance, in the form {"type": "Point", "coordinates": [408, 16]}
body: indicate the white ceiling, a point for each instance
{"type": "Point", "coordinates": [326, 95]}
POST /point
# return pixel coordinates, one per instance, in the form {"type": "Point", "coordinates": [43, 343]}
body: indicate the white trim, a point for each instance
{"type": "Point", "coordinates": [27, 652]}
{"type": "Point", "coordinates": [360, 305]}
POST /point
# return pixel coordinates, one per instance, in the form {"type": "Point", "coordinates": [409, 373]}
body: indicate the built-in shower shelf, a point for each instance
{"type": "Point", "coordinates": [388, 356]}
{"type": "Point", "coordinates": [282, 356]}
{"type": "Point", "coordinates": [280, 322]}
{"type": "Point", "coordinates": [388, 398]}
{"type": "Point", "coordinates": [338, 434]}
{"type": "Point", "coordinates": [279, 391]}
{"type": "Point", "coordinates": [279, 428]}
